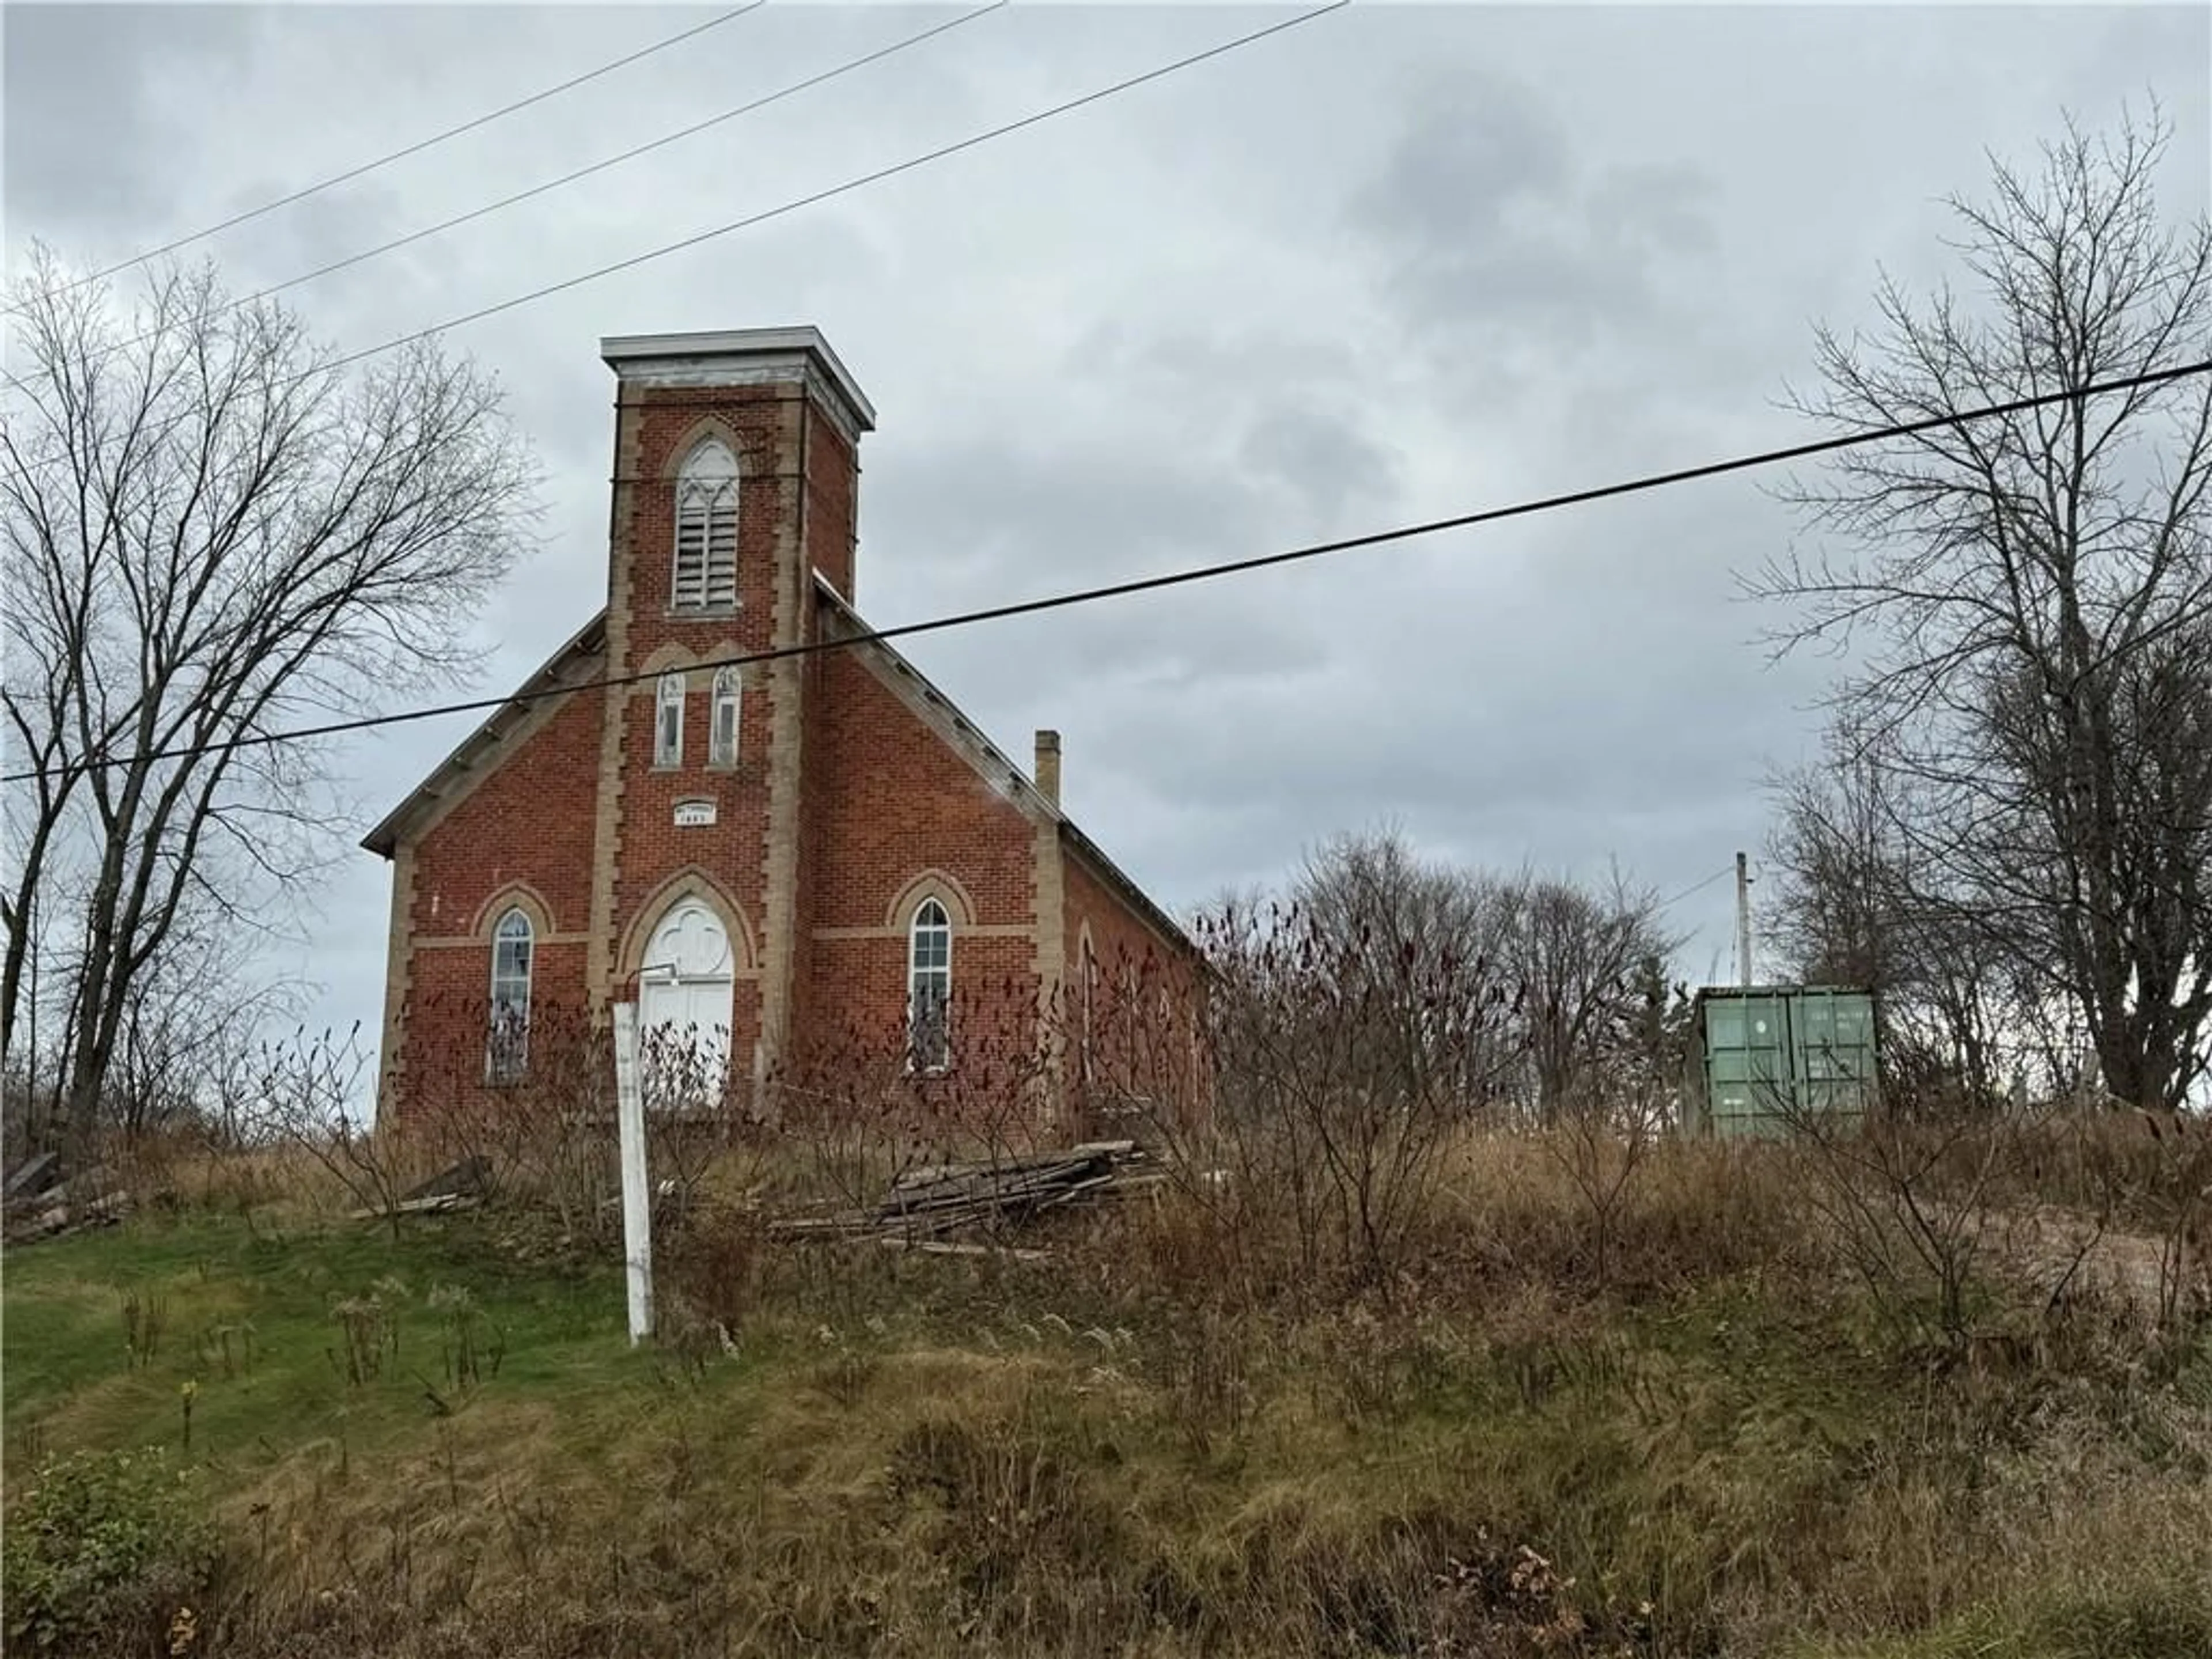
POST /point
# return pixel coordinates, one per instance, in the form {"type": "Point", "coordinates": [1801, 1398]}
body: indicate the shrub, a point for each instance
{"type": "Point", "coordinates": [103, 1553]}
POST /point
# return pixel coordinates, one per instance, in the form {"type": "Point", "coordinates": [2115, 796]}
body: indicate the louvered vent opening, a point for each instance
{"type": "Point", "coordinates": [707, 550]}
{"type": "Point", "coordinates": [721, 560]}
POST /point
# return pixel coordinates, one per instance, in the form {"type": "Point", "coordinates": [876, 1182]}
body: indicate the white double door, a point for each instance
{"type": "Point", "coordinates": [685, 1000]}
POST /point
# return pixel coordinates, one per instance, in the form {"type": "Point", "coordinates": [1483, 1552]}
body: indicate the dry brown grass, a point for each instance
{"type": "Point", "coordinates": [1168, 1438]}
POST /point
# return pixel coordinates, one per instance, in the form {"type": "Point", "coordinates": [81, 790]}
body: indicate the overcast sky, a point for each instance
{"type": "Point", "coordinates": [1400, 262]}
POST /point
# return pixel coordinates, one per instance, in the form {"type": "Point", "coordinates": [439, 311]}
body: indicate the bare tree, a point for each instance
{"type": "Point", "coordinates": [189, 1022]}
{"type": "Point", "coordinates": [312, 1094]}
{"type": "Point", "coordinates": [1371, 894]}
{"type": "Point", "coordinates": [1575, 954]}
{"type": "Point", "coordinates": [1339, 1069]}
{"type": "Point", "coordinates": [2031, 594]}
{"type": "Point", "coordinates": [1559, 960]}
{"type": "Point", "coordinates": [1607, 1128]}
{"type": "Point", "coordinates": [1855, 906]}
{"type": "Point", "coordinates": [213, 528]}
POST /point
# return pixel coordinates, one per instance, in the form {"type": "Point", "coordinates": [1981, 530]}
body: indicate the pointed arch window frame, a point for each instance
{"type": "Point", "coordinates": [929, 987]}
{"type": "Point", "coordinates": [703, 562]}
{"type": "Point", "coordinates": [514, 968]}
{"type": "Point", "coordinates": [725, 709]}
{"type": "Point", "coordinates": [668, 721]}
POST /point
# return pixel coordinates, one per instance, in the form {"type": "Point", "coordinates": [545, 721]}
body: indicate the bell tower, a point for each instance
{"type": "Point", "coordinates": [736, 480]}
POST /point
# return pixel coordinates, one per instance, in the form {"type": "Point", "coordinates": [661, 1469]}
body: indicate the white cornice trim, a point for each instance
{"type": "Point", "coordinates": [744, 356]}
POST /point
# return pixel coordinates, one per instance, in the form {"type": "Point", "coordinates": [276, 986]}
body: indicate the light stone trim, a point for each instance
{"type": "Point", "coordinates": [1049, 962]}
{"type": "Point", "coordinates": [398, 977]}
{"type": "Point", "coordinates": [607, 809]}
{"type": "Point", "coordinates": [462, 941]}
{"type": "Point", "coordinates": [960, 931]}
{"type": "Point", "coordinates": [514, 895]}
{"type": "Point", "coordinates": [941, 884]}
{"type": "Point", "coordinates": [692, 881]}
{"type": "Point", "coordinates": [671, 657]}
{"type": "Point", "coordinates": [784, 684]}
{"type": "Point", "coordinates": [744, 356]}
{"type": "Point", "coordinates": [814, 388]}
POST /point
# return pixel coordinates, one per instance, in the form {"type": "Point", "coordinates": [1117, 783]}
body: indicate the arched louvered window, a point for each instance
{"type": "Point", "coordinates": [722, 732]}
{"type": "Point", "coordinates": [706, 576]}
{"type": "Point", "coordinates": [929, 987]}
{"type": "Point", "coordinates": [507, 1052]}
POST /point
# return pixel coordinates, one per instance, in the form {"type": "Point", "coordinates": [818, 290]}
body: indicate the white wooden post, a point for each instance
{"type": "Point", "coordinates": [637, 1210]}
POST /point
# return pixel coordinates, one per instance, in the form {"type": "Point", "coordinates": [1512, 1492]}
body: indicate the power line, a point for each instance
{"type": "Point", "coordinates": [1639, 485]}
{"type": "Point", "coordinates": [415, 149]}
{"type": "Point", "coordinates": [630, 154]}
{"type": "Point", "coordinates": [908, 165]}
{"type": "Point", "coordinates": [971, 142]}
{"type": "Point", "coordinates": [1695, 888]}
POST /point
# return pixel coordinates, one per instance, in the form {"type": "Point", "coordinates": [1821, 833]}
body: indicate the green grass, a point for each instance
{"type": "Point", "coordinates": [2140, 1622]}
{"type": "Point", "coordinates": [920, 1456]}
{"type": "Point", "coordinates": [247, 1316]}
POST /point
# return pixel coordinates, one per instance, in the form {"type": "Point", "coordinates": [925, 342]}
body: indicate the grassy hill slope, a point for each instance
{"type": "Point", "coordinates": [444, 1444]}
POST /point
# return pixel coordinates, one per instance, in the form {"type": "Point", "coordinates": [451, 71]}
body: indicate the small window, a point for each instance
{"type": "Point", "coordinates": [722, 733]}
{"type": "Point", "coordinates": [706, 571]}
{"type": "Point", "coordinates": [668, 722]}
{"type": "Point", "coordinates": [929, 988]}
{"type": "Point", "coordinates": [1089, 990]}
{"type": "Point", "coordinates": [508, 1054]}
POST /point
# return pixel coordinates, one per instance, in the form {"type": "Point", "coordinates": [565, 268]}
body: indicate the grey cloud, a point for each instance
{"type": "Point", "coordinates": [1409, 261]}
{"type": "Point", "coordinates": [1486, 221]}
{"type": "Point", "coordinates": [1479, 151]}
{"type": "Point", "coordinates": [968, 524]}
{"type": "Point", "coordinates": [1326, 462]}
{"type": "Point", "coordinates": [1169, 353]}
{"type": "Point", "coordinates": [94, 113]}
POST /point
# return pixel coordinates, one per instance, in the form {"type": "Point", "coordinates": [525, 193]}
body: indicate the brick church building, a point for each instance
{"type": "Point", "coordinates": [773, 859]}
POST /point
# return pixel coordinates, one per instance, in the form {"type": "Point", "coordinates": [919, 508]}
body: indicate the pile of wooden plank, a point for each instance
{"type": "Point", "coordinates": [39, 1203]}
{"type": "Point", "coordinates": [461, 1187]}
{"type": "Point", "coordinates": [932, 1200]}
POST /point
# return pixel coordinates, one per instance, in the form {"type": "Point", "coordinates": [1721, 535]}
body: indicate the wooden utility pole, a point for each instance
{"type": "Point", "coordinates": [1743, 920]}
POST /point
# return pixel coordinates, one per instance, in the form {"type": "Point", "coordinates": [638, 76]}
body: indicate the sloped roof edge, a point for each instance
{"type": "Point", "coordinates": [384, 840]}
{"type": "Point", "coordinates": [1071, 835]}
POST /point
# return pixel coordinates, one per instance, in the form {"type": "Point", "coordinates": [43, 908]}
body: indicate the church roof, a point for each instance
{"type": "Point", "coordinates": [568, 669]}
{"type": "Point", "coordinates": [456, 772]}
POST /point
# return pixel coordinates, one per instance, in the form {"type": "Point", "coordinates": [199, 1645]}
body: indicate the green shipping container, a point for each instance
{"type": "Point", "coordinates": [1763, 1056]}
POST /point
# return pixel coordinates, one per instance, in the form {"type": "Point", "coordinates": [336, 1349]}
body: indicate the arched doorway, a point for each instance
{"type": "Point", "coordinates": [684, 987]}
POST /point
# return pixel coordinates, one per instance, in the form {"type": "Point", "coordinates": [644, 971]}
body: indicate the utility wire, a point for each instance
{"type": "Point", "coordinates": [1692, 890]}
{"type": "Point", "coordinates": [1639, 485]}
{"type": "Point", "coordinates": [971, 142]}
{"type": "Point", "coordinates": [631, 155]}
{"type": "Point", "coordinates": [908, 165]}
{"type": "Point", "coordinates": [415, 149]}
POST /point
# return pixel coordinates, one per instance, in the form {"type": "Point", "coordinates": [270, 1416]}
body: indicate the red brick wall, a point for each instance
{"type": "Point", "coordinates": [832, 489]}
{"type": "Point", "coordinates": [904, 802]}
{"type": "Point", "coordinates": [883, 799]}
{"type": "Point", "coordinates": [732, 848]}
{"type": "Point", "coordinates": [1142, 1009]}
{"type": "Point", "coordinates": [1120, 937]}
{"type": "Point", "coordinates": [528, 820]}
{"type": "Point", "coordinates": [763, 424]}
{"type": "Point", "coordinates": [888, 801]}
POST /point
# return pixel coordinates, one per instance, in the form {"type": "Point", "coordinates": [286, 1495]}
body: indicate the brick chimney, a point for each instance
{"type": "Point", "coordinates": [1048, 766]}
